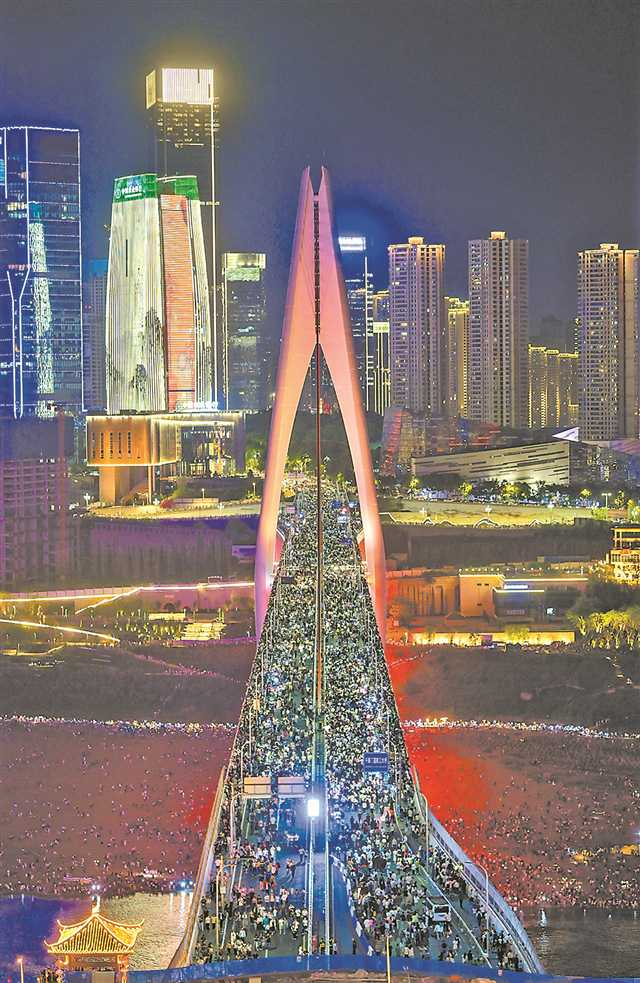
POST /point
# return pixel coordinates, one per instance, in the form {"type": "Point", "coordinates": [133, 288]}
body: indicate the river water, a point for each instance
{"type": "Point", "coordinates": [25, 922]}
{"type": "Point", "coordinates": [590, 943]}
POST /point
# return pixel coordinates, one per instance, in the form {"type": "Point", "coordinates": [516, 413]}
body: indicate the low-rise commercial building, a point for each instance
{"type": "Point", "coordinates": [130, 451]}
{"type": "Point", "coordinates": [624, 557]}
{"type": "Point", "coordinates": [548, 462]}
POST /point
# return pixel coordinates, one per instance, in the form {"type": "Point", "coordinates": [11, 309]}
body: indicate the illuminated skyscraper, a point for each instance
{"type": "Point", "coordinates": [538, 381]}
{"type": "Point", "coordinates": [184, 118]}
{"type": "Point", "coordinates": [417, 320]}
{"type": "Point", "coordinates": [358, 284]}
{"type": "Point", "coordinates": [553, 387]}
{"type": "Point", "coordinates": [457, 354]}
{"type": "Point", "coordinates": [608, 325]}
{"type": "Point", "coordinates": [40, 271]}
{"type": "Point", "coordinates": [158, 328]}
{"type": "Point", "coordinates": [94, 319]}
{"type": "Point", "coordinates": [380, 376]}
{"type": "Point", "coordinates": [498, 330]}
{"type": "Point", "coordinates": [246, 363]}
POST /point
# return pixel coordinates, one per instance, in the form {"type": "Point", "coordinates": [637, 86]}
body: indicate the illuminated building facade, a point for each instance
{"type": "Point", "coordinates": [158, 326]}
{"type": "Point", "coordinates": [624, 556]}
{"type": "Point", "coordinates": [498, 331]}
{"type": "Point", "coordinates": [40, 271]}
{"type": "Point", "coordinates": [550, 462]}
{"type": "Point", "coordinates": [379, 353]}
{"type": "Point", "coordinates": [358, 284]}
{"type": "Point", "coordinates": [608, 324]}
{"type": "Point", "coordinates": [129, 451]}
{"type": "Point", "coordinates": [246, 356]}
{"type": "Point", "coordinates": [95, 942]}
{"type": "Point", "coordinates": [184, 119]}
{"type": "Point", "coordinates": [553, 388]}
{"type": "Point", "coordinates": [417, 325]}
{"type": "Point", "coordinates": [94, 319]}
{"type": "Point", "coordinates": [35, 534]}
{"type": "Point", "coordinates": [457, 312]}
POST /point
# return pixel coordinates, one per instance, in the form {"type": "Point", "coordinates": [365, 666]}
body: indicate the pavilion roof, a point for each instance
{"type": "Point", "coordinates": [95, 935]}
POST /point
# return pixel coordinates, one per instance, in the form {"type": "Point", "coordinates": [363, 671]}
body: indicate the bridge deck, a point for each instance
{"type": "Point", "coordinates": [345, 867]}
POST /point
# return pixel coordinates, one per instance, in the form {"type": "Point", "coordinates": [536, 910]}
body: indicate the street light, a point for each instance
{"type": "Point", "coordinates": [20, 962]}
{"type": "Point", "coordinates": [313, 808]}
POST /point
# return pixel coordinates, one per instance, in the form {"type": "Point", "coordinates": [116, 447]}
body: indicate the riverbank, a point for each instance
{"type": "Point", "coordinates": [88, 802]}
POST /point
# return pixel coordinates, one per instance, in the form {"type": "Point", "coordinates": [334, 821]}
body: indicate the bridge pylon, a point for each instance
{"type": "Point", "coordinates": [316, 289]}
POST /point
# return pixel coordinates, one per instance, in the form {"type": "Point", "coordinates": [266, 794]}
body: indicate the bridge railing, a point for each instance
{"type": "Point", "coordinates": [498, 907]}
{"type": "Point", "coordinates": [410, 969]}
{"type": "Point", "coordinates": [183, 955]}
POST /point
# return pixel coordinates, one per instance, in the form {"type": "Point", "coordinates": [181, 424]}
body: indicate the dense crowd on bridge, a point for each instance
{"type": "Point", "coordinates": [376, 829]}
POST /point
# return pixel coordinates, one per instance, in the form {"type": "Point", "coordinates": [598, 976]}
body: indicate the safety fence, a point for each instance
{"type": "Point", "coordinates": [498, 907]}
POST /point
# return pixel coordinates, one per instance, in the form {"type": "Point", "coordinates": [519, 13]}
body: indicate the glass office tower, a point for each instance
{"type": "Point", "coordinates": [246, 368]}
{"type": "Point", "coordinates": [358, 284]}
{"type": "Point", "coordinates": [40, 271]}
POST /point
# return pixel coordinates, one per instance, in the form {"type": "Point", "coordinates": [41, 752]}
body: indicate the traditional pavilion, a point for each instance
{"type": "Point", "coordinates": [94, 943]}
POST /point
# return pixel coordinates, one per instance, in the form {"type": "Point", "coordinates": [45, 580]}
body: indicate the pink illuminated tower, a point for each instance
{"type": "Point", "coordinates": [316, 290]}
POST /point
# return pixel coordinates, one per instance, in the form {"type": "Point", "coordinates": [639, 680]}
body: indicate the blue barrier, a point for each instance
{"type": "Point", "coordinates": [341, 964]}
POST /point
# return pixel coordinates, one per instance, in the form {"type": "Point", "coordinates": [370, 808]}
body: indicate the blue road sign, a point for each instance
{"type": "Point", "coordinates": [375, 761]}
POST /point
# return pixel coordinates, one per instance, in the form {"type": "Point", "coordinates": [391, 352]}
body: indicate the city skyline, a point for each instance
{"type": "Point", "coordinates": [319, 515]}
{"type": "Point", "coordinates": [533, 191]}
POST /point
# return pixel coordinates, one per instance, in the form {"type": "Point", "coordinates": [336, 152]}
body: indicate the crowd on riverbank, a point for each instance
{"type": "Point", "coordinates": [547, 813]}
{"type": "Point", "coordinates": [83, 803]}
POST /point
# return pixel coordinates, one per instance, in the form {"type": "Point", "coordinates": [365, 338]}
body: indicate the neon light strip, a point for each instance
{"type": "Point", "coordinates": [99, 593]}
{"type": "Point", "coordinates": [69, 631]}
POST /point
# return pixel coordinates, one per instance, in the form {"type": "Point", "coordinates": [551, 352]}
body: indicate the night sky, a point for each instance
{"type": "Point", "coordinates": [442, 119]}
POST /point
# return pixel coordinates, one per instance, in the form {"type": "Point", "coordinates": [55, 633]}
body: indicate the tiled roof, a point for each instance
{"type": "Point", "coordinates": [97, 935]}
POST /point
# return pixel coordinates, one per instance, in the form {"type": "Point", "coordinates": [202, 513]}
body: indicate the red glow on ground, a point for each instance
{"type": "Point", "coordinates": [198, 816]}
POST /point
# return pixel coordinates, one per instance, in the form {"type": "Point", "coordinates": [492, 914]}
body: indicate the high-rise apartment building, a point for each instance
{"type": "Point", "coordinates": [498, 330]}
{"type": "Point", "coordinates": [246, 360]}
{"type": "Point", "coordinates": [417, 325]}
{"type": "Point", "coordinates": [184, 118]}
{"type": "Point", "coordinates": [608, 325]}
{"type": "Point", "coordinates": [94, 319]}
{"type": "Point", "coordinates": [158, 338]}
{"type": "Point", "coordinates": [553, 388]}
{"type": "Point", "coordinates": [457, 311]}
{"type": "Point", "coordinates": [538, 376]}
{"type": "Point", "coordinates": [379, 354]}
{"type": "Point", "coordinates": [40, 271]}
{"type": "Point", "coordinates": [359, 287]}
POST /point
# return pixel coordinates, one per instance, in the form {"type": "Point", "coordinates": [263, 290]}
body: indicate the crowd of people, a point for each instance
{"type": "Point", "coordinates": [262, 914]}
{"type": "Point", "coordinates": [543, 841]}
{"type": "Point", "coordinates": [422, 905]}
{"type": "Point", "coordinates": [418, 905]}
{"type": "Point", "coordinates": [122, 806]}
